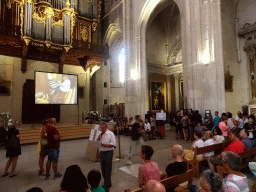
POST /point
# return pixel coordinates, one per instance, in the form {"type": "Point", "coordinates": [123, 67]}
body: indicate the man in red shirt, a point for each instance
{"type": "Point", "coordinates": [53, 148]}
{"type": "Point", "coordinates": [236, 145]}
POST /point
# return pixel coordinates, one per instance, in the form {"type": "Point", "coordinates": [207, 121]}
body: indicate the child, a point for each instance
{"type": "Point", "coordinates": [94, 178]}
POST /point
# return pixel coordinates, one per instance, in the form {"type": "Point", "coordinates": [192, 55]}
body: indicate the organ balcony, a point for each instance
{"type": "Point", "coordinates": [58, 31]}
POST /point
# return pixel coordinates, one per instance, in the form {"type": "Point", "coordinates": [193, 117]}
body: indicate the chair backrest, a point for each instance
{"type": "Point", "coordinates": [175, 180]}
{"type": "Point", "coordinates": [178, 179]}
{"type": "Point", "coordinates": [248, 153]}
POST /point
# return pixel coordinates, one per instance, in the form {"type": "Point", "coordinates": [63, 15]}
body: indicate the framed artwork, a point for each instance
{"type": "Point", "coordinates": [181, 89]}
{"type": "Point", "coordinates": [157, 96]}
{"type": "Point", "coordinates": [253, 111]}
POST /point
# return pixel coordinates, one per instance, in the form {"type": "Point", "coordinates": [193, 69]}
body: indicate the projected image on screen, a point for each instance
{"type": "Point", "coordinates": [53, 88]}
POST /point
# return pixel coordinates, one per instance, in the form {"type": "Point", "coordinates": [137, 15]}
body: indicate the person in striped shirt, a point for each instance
{"type": "Point", "coordinates": [235, 181]}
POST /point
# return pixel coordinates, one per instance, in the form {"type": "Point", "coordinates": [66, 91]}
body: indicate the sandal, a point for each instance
{"type": "Point", "coordinates": [15, 174]}
{"type": "Point", "coordinates": [4, 175]}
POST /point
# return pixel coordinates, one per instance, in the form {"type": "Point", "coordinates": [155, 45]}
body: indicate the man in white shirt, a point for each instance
{"type": "Point", "coordinates": [147, 128]}
{"type": "Point", "coordinates": [108, 142]}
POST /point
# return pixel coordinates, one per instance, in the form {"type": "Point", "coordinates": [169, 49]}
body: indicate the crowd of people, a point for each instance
{"type": "Point", "coordinates": [240, 131]}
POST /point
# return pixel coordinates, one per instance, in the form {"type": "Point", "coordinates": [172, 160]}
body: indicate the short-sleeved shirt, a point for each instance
{"type": "Point", "coordinates": [98, 189]}
{"type": "Point", "coordinates": [135, 132]}
{"type": "Point", "coordinates": [235, 183]}
{"type": "Point", "coordinates": [247, 143]}
{"type": "Point", "coordinates": [148, 171]}
{"type": "Point", "coordinates": [216, 121]}
{"type": "Point", "coordinates": [249, 126]}
{"type": "Point", "coordinates": [178, 118]}
{"type": "Point", "coordinates": [176, 168]}
{"type": "Point", "coordinates": [209, 142]}
{"type": "Point", "coordinates": [199, 144]}
{"type": "Point", "coordinates": [236, 147]}
{"type": "Point", "coordinates": [221, 125]}
{"type": "Point", "coordinates": [108, 138]}
{"type": "Point", "coordinates": [52, 143]}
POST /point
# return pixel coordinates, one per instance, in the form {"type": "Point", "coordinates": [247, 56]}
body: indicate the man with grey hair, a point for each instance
{"type": "Point", "coordinates": [235, 181]}
{"type": "Point", "coordinates": [107, 143]}
{"type": "Point", "coordinates": [179, 166]}
{"type": "Point", "coordinates": [154, 186]}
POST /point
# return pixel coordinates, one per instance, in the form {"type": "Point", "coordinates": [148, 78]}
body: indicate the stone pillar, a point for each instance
{"type": "Point", "coordinates": [169, 94]}
{"type": "Point", "coordinates": [177, 98]}
{"type": "Point", "coordinates": [203, 66]}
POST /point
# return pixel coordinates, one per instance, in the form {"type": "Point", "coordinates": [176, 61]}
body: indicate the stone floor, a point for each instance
{"type": "Point", "coordinates": [73, 152]}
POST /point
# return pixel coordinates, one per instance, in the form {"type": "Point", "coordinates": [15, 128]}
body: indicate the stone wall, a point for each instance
{"type": "Point", "coordinates": [12, 72]}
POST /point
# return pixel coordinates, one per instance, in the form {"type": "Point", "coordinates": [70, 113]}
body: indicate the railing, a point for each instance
{"type": "Point", "coordinates": [13, 30]}
{"type": "Point", "coordinates": [79, 44]}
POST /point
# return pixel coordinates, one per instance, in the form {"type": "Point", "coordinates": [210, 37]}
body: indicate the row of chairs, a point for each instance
{"type": "Point", "coordinates": [194, 171]}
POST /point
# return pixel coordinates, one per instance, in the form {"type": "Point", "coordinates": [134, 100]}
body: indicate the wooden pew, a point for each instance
{"type": "Point", "coordinates": [175, 180]}
{"type": "Point", "coordinates": [251, 154]}
{"type": "Point", "coordinates": [198, 151]}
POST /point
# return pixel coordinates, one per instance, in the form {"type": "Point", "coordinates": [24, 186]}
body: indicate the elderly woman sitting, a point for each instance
{"type": "Point", "coordinates": [210, 181]}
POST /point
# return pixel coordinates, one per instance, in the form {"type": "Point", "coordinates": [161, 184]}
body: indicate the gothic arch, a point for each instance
{"type": "Point", "coordinates": [113, 34]}
{"type": "Point", "coordinates": [140, 57]}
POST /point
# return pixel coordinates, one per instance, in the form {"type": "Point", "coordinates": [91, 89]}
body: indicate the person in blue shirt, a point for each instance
{"type": "Point", "coordinates": [216, 119]}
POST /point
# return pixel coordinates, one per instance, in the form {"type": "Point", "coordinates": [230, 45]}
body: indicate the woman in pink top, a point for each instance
{"type": "Point", "coordinates": [149, 170]}
{"type": "Point", "coordinates": [224, 128]}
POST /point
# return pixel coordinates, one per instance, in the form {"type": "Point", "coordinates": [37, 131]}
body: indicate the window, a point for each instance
{"type": "Point", "coordinates": [105, 101]}
{"type": "Point", "coordinates": [122, 66]}
{"type": "Point", "coordinates": [105, 84]}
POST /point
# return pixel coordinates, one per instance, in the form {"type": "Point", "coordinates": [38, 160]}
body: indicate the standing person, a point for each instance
{"type": "Point", "coordinates": [53, 148]}
{"type": "Point", "coordinates": [108, 142]}
{"type": "Point", "coordinates": [147, 127]}
{"type": "Point", "coordinates": [178, 126]}
{"type": "Point", "coordinates": [13, 150]}
{"type": "Point", "coordinates": [184, 122]}
{"type": "Point", "coordinates": [224, 128]}
{"type": "Point", "coordinates": [210, 123]}
{"type": "Point", "coordinates": [148, 116]}
{"type": "Point", "coordinates": [216, 119]}
{"type": "Point", "coordinates": [136, 134]}
{"type": "Point", "coordinates": [41, 148]}
{"type": "Point", "coordinates": [153, 125]}
{"type": "Point", "coordinates": [149, 170]}
{"type": "Point", "coordinates": [191, 121]}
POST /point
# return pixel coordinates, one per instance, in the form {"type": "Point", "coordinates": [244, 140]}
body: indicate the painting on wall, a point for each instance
{"type": "Point", "coordinates": [158, 96]}
{"type": "Point", "coordinates": [253, 111]}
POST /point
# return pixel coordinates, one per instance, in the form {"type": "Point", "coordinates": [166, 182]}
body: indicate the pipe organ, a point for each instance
{"type": "Point", "coordinates": [53, 21]}
{"type": "Point", "coordinates": [59, 31]}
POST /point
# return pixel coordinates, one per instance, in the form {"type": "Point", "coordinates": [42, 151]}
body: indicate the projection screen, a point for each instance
{"type": "Point", "coordinates": [55, 88]}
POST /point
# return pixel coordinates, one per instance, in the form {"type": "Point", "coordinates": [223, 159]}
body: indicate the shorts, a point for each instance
{"type": "Point", "coordinates": [53, 154]}
{"type": "Point", "coordinates": [43, 150]}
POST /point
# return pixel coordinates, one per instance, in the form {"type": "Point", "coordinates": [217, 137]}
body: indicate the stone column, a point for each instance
{"type": "Point", "coordinates": [203, 66]}
{"type": "Point", "coordinates": [169, 94]}
{"type": "Point", "coordinates": [177, 98]}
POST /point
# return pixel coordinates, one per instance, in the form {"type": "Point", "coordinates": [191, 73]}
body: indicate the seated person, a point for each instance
{"type": "Point", "coordinates": [209, 181]}
{"type": "Point", "coordinates": [154, 186]}
{"type": "Point", "coordinates": [179, 166]}
{"type": "Point", "coordinates": [94, 178]}
{"type": "Point", "coordinates": [235, 181]}
{"type": "Point", "coordinates": [74, 180]}
{"type": "Point", "coordinates": [209, 141]}
{"type": "Point", "coordinates": [197, 143]}
{"type": "Point", "coordinates": [244, 133]}
{"type": "Point", "coordinates": [35, 189]}
{"type": "Point", "coordinates": [149, 170]}
{"type": "Point", "coordinates": [236, 145]}
{"type": "Point", "coordinates": [218, 137]}
{"type": "Point", "coordinates": [198, 127]}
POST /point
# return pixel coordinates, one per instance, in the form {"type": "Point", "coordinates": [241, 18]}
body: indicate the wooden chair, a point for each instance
{"type": "Point", "coordinates": [202, 150]}
{"type": "Point", "coordinates": [175, 180]}
{"type": "Point", "coordinates": [251, 154]}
